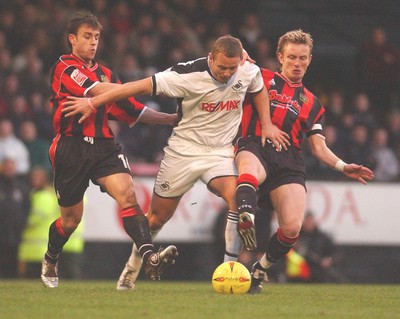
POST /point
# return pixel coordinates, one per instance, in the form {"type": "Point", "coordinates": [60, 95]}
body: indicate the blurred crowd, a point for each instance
{"type": "Point", "coordinates": [141, 37]}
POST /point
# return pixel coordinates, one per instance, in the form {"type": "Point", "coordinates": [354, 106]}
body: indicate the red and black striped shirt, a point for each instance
{"type": "Point", "coordinates": [294, 109]}
{"type": "Point", "coordinates": [71, 77]}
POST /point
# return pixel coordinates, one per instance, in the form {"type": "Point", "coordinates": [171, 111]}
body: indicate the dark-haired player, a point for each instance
{"type": "Point", "coordinates": [87, 151]}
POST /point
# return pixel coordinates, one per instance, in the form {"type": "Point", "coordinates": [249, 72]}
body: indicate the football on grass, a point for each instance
{"type": "Point", "coordinates": [231, 277]}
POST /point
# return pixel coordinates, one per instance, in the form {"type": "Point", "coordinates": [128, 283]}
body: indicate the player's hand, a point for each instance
{"type": "Point", "coordinates": [76, 105]}
{"type": "Point", "coordinates": [358, 172]}
{"type": "Point", "coordinates": [246, 57]}
{"type": "Point", "coordinates": [174, 120]}
{"type": "Point", "coordinates": [279, 138]}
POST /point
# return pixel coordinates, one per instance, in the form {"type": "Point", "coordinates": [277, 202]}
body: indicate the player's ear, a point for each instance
{"type": "Point", "coordinates": [72, 38]}
{"type": "Point", "coordinates": [280, 57]}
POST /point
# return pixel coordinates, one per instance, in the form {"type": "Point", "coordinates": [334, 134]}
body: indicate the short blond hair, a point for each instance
{"type": "Point", "coordinates": [295, 36]}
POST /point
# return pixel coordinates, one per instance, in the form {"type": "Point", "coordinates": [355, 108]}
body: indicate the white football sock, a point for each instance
{"type": "Point", "coordinates": [233, 243]}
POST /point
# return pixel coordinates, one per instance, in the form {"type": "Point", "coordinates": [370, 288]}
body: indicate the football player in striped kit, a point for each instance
{"type": "Point", "coordinates": [87, 151]}
{"type": "Point", "coordinates": [278, 175]}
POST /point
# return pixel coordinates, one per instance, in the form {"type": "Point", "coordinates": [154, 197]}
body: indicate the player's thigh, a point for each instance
{"type": "Point", "coordinates": [248, 163]}
{"type": "Point", "coordinates": [289, 202]}
{"type": "Point", "coordinates": [177, 174]}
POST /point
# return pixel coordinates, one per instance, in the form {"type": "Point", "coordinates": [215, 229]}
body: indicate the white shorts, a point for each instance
{"type": "Point", "coordinates": [185, 163]}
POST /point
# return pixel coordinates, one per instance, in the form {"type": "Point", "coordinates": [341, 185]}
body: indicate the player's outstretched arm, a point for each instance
{"type": "Point", "coordinates": [154, 117]}
{"type": "Point", "coordinates": [86, 106]}
{"type": "Point", "coordinates": [322, 152]}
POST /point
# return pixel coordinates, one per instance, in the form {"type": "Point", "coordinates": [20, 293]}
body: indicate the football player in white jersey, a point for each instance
{"type": "Point", "coordinates": [210, 92]}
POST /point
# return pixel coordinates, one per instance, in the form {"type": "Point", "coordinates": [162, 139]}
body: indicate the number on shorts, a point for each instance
{"type": "Point", "coordinates": [124, 161]}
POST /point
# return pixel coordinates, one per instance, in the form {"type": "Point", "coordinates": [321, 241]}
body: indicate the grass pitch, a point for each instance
{"type": "Point", "coordinates": [194, 300]}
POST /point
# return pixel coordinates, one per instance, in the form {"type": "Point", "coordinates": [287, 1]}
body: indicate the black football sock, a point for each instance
{"type": "Point", "coordinates": [137, 227]}
{"type": "Point", "coordinates": [278, 246]}
{"type": "Point", "coordinates": [57, 240]}
{"type": "Point", "coordinates": [246, 193]}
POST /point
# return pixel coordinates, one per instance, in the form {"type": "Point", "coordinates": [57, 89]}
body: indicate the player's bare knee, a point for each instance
{"type": "Point", "coordinates": [70, 225]}
{"type": "Point", "coordinates": [290, 231]}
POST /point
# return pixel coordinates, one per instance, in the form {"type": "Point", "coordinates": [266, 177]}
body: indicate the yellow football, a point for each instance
{"type": "Point", "coordinates": [231, 277]}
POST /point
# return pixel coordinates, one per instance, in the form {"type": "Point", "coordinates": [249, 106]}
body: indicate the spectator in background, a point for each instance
{"type": "Point", "coordinates": [250, 32]}
{"type": "Point", "coordinates": [378, 66]}
{"type": "Point", "coordinates": [360, 150]}
{"type": "Point", "coordinates": [387, 165]}
{"type": "Point", "coordinates": [363, 112]}
{"type": "Point", "coordinates": [37, 147]}
{"type": "Point", "coordinates": [13, 148]}
{"type": "Point", "coordinates": [393, 126]}
{"type": "Point", "coordinates": [10, 88]}
{"type": "Point", "coordinates": [264, 56]}
{"type": "Point", "coordinates": [14, 208]}
{"type": "Point", "coordinates": [19, 110]}
{"type": "Point", "coordinates": [9, 26]}
{"type": "Point", "coordinates": [310, 260]}
{"type": "Point", "coordinates": [42, 115]}
{"type": "Point", "coordinates": [5, 62]}
{"type": "Point", "coordinates": [335, 108]}
{"type": "Point", "coordinates": [129, 70]}
{"type": "Point", "coordinates": [44, 209]}
{"type": "Point", "coordinates": [31, 73]}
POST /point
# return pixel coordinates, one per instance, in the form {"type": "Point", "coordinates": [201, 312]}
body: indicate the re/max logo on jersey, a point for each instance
{"type": "Point", "coordinates": [220, 106]}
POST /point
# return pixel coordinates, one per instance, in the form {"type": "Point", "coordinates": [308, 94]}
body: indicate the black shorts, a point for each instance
{"type": "Point", "coordinates": [76, 160]}
{"type": "Point", "coordinates": [285, 167]}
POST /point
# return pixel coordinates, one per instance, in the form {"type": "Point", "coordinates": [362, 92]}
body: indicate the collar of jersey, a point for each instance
{"type": "Point", "coordinates": [287, 81]}
{"type": "Point", "coordinates": [80, 62]}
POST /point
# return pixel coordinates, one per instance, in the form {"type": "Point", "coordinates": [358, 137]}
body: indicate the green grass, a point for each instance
{"type": "Point", "coordinates": [195, 300]}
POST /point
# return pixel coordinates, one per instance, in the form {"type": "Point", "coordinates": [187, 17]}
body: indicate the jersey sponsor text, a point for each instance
{"type": "Point", "coordinates": [221, 106]}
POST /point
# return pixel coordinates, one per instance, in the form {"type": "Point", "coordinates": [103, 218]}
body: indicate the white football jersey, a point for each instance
{"type": "Point", "coordinates": [210, 111]}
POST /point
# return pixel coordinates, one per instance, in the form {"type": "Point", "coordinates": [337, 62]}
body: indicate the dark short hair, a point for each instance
{"type": "Point", "coordinates": [82, 18]}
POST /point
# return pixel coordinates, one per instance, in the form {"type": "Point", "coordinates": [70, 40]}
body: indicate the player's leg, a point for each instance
{"type": "Point", "coordinates": [120, 187]}
{"type": "Point", "coordinates": [161, 211]}
{"type": "Point", "coordinates": [251, 174]}
{"type": "Point", "coordinates": [59, 232]}
{"type": "Point", "coordinates": [136, 224]}
{"type": "Point", "coordinates": [225, 187]}
{"type": "Point", "coordinates": [176, 176]}
{"type": "Point", "coordinates": [289, 203]}
{"type": "Point", "coordinates": [70, 183]}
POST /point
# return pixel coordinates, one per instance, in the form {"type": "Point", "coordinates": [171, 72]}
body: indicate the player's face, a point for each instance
{"type": "Point", "coordinates": [85, 43]}
{"type": "Point", "coordinates": [295, 60]}
{"type": "Point", "coordinates": [222, 67]}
